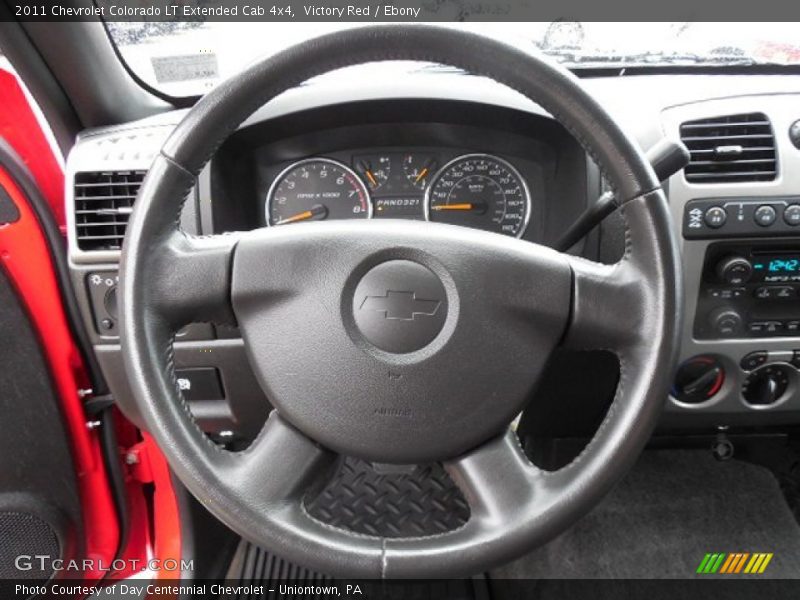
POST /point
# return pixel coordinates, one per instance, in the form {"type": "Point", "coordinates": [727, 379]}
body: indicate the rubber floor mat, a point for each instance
{"type": "Point", "coordinates": [419, 501]}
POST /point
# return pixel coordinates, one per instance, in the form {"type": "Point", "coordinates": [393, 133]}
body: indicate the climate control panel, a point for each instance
{"type": "Point", "coordinates": [763, 379]}
{"type": "Point", "coordinates": [749, 291]}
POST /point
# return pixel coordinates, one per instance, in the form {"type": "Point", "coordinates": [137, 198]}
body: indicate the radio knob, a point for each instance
{"type": "Point", "coordinates": [735, 270]}
{"type": "Point", "coordinates": [725, 321]}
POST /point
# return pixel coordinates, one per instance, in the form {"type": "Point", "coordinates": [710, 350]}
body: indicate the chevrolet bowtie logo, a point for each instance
{"type": "Point", "coordinates": [401, 306]}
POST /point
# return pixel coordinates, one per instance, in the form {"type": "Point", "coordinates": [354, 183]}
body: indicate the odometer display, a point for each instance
{"type": "Point", "coordinates": [480, 191]}
{"type": "Point", "coordinates": [316, 189]}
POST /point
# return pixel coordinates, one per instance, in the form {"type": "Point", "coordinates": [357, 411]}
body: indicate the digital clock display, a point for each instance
{"type": "Point", "coordinates": [777, 264]}
{"type": "Point", "coordinates": [783, 265]}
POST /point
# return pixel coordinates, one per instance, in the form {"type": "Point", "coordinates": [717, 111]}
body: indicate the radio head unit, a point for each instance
{"type": "Point", "coordinates": [749, 290]}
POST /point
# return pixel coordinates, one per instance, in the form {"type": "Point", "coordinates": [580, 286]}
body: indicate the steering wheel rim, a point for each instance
{"type": "Point", "coordinates": [170, 279]}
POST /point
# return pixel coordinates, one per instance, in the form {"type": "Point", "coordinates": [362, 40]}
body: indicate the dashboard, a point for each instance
{"type": "Point", "coordinates": [453, 162]}
{"type": "Point", "coordinates": [458, 149]}
{"type": "Point", "coordinates": [476, 190]}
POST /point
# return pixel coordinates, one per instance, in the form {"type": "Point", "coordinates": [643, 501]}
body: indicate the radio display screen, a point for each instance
{"type": "Point", "coordinates": [776, 266]}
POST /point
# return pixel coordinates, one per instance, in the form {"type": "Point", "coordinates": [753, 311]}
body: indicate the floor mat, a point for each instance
{"type": "Point", "coordinates": [673, 508]}
{"type": "Point", "coordinates": [253, 564]}
{"type": "Point", "coordinates": [408, 503]}
{"type": "Point", "coordinates": [281, 579]}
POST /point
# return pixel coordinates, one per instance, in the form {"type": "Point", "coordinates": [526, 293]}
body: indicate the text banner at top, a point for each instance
{"type": "Point", "coordinates": [398, 10]}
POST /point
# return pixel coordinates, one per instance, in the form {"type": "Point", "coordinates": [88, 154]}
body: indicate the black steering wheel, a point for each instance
{"type": "Point", "coordinates": [441, 387]}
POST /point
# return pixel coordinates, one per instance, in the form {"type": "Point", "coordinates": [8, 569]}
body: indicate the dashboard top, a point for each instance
{"type": "Point", "coordinates": [636, 101]}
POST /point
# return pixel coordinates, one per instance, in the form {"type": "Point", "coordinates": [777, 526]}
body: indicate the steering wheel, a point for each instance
{"type": "Point", "coordinates": [442, 384]}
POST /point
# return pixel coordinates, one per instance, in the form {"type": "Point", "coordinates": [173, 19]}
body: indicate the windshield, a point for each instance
{"type": "Point", "coordinates": [184, 59]}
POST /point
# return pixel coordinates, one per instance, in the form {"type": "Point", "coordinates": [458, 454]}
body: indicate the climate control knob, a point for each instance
{"type": "Point", "coordinates": [735, 270]}
{"type": "Point", "coordinates": [766, 385]}
{"type": "Point", "coordinates": [725, 321]}
{"type": "Point", "coordinates": [698, 379]}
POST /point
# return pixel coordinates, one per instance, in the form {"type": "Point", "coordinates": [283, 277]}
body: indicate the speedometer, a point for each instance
{"type": "Point", "coordinates": [315, 189]}
{"type": "Point", "coordinates": [480, 191]}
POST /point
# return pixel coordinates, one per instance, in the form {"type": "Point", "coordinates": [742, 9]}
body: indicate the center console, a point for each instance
{"type": "Point", "coordinates": [737, 206]}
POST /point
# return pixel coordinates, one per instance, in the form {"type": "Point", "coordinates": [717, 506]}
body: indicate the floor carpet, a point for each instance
{"type": "Point", "coordinates": [661, 520]}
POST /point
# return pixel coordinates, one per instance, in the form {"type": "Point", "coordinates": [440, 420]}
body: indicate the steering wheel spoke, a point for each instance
{"type": "Point", "coordinates": [606, 305]}
{"type": "Point", "coordinates": [501, 486]}
{"type": "Point", "coordinates": [272, 477]}
{"type": "Point", "coordinates": [191, 279]}
{"type": "Point", "coordinates": [279, 466]}
{"type": "Point", "coordinates": [497, 479]}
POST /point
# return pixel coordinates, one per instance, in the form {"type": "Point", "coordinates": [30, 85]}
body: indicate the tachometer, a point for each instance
{"type": "Point", "coordinates": [480, 191]}
{"type": "Point", "coordinates": [316, 189]}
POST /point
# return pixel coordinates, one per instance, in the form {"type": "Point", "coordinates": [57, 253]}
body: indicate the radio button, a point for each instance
{"type": "Point", "coordinates": [791, 215]}
{"type": "Point", "coordinates": [792, 326]}
{"type": "Point", "coordinates": [764, 326]}
{"type": "Point", "coordinates": [763, 293]}
{"type": "Point", "coordinates": [727, 293]}
{"type": "Point", "coordinates": [766, 292]}
{"type": "Point", "coordinates": [774, 326]}
{"type": "Point", "coordinates": [754, 360]}
{"type": "Point", "coordinates": [716, 216]}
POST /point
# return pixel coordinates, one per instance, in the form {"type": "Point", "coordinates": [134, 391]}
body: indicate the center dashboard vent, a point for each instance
{"type": "Point", "coordinates": [731, 149]}
{"type": "Point", "coordinates": [103, 203]}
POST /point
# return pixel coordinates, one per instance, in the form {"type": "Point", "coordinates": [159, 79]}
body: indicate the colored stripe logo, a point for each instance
{"type": "Point", "coordinates": [734, 563]}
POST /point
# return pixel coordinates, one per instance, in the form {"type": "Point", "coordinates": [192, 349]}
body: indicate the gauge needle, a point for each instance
{"type": "Point", "coordinates": [316, 211]}
{"type": "Point", "coordinates": [421, 175]}
{"type": "Point", "coordinates": [371, 178]}
{"type": "Point", "coordinates": [467, 206]}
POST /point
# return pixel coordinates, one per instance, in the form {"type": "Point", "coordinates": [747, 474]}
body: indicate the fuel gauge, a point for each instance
{"type": "Point", "coordinates": [418, 169]}
{"type": "Point", "coordinates": [374, 170]}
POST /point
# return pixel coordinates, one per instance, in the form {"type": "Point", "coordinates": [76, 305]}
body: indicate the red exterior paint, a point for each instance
{"type": "Point", "coordinates": [166, 519]}
{"type": "Point", "coordinates": [151, 467]}
{"type": "Point", "coordinates": [19, 127]}
{"type": "Point", "coordinates": [25, 257]}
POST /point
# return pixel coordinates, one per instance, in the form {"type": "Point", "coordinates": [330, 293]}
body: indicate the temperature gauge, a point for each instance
{"type": "Point", "coordinates": [418, 169]}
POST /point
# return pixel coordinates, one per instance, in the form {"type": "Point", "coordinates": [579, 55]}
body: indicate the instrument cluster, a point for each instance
{"type": "Point", "coordinates": [476, 190]}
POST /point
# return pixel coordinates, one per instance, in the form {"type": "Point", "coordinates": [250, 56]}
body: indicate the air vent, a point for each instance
{"type": "Point", "coordinates": [103, 204]}
{"type": "Point", "coordinates": [732, 149]}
